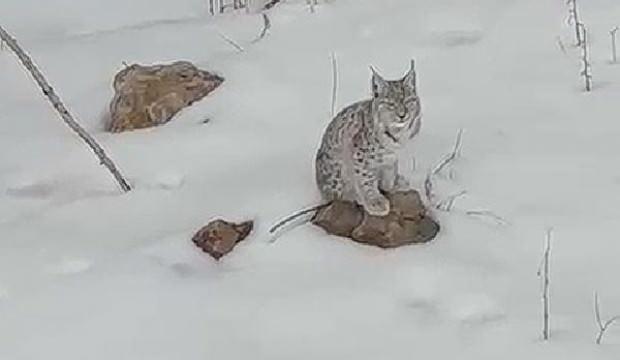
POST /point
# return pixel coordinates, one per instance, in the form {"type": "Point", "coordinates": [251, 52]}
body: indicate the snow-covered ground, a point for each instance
{"type": "Point", "coordinates": [89, 273]}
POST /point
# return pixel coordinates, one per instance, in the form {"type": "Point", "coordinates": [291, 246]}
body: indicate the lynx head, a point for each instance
{"type": "Point", "coordinates": [396, 107]}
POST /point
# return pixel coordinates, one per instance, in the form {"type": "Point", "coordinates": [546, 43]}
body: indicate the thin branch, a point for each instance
{"type": "Point", "coordinates": [428, 188]}
{"type": "Point", "coordinates": [488, 214]}
{"type": "Point", "coordinates": [49, 92]}
{"type": "Point", "coordinates": [585, 58]}
{"type": "Point", "coordinates": [265, 30]}
{"type": "Point", "coordinates": [212, 7]}
{"type": "Point", "coordinates": [602, 326]}
{"type": "Point", "coordinates": [452, 156]}
{"type": "Point", "coordinates": [447, 203]}
{"type": "Point", "coordinates": [597, 314]}
{"type": "Point", "coordinates": [544, 272]}
{"type": "Point", "coordinates": [612, 33]}
{"type": "Point", "coordinates": [573, 18]}
{"type": "Point", "coordinates": [334, 83]}
{"type": "Point", "coordinates": [428, 181]}
{"type": "Point", "coordinates": [311, 4]}
{"type": "Point", "coordinates": [296, 215]}
{"type": "Point", "coordinates": [561, 45]}
{"type": "Point", "coordinates": [230, 41]}
{"type": "Point", "coordinates": [271, 4]}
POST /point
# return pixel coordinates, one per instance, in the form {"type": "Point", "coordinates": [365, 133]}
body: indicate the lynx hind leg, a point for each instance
{"type": "Point", "coordinates": [329, 177]}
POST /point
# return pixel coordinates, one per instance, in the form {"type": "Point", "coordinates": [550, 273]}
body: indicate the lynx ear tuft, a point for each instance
{"type": "Point", "coordinates": [410, 79]}
{"type": "Point", "coordinates": [378, 83]}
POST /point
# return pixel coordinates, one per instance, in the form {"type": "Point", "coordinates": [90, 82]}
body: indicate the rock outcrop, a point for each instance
{"type": "Point", "coordinates": [407, 223]}
{"type": "Point", "coordinates": [147, 96]}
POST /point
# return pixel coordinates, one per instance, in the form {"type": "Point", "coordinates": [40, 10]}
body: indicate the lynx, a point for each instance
{"type": "Point", "coordinates": [357, 160]}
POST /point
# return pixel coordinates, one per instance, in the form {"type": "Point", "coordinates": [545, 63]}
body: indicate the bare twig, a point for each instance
{"type": "Point", "coordinates": [334, 83]}
{"type": "Point", "coordinates": [543, 272]}
{"type": "Point", "coordinates": [265, 30]}
{"type": "Point", "coordinates": [428, 188]}
{"type": "Point", "coordinates": [573, 19]}
{"type": "Point", "coordinates": [612, 33]}
{"type": "Point", "coordinates": [212, 7]}
{"type": "Point", "coordinates": [428, 181]}
{"type": "Point", "coordinates": [271, 4]}
{"type": "Point", "coordinates": [585, 59]}
{"type": "Point", "coordinates": [49, 92]}
{"type": "Point", "coordinates": [561, 45]}
{"type": "Point", "coordinates": [230, 41]}
{"type": "Point", "coordinates": [488, 214]}
{"type": "Point", "coordinates": [452, 156]}
{"type": "Point", "coordinates": [602, 326]}
{"type": "Point", "coordinates": [296, 215]}
{"type": "Point", "coordinates": [312, 4]}
{"type": "Point", "coordinates": [447, 203]}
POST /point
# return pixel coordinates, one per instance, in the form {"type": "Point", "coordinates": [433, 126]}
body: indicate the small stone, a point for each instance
{"type": "Point", "coordinates": [219, 237]}
{"type": "Point", "coordinates": [407, 223]}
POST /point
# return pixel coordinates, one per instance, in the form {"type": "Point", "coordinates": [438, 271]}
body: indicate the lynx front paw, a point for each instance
{"type": "Point", "coordinates": [377, 206]}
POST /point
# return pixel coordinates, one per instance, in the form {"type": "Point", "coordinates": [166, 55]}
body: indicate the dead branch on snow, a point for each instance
{"type": "Point", "coordinates": [265, 30]}
{"type": "Point", "coordinates": [334, 83]}
{"type": "Point", "coordinates": [543, 272]}
{"type": "Point", "coordinates": [230, 41]}
{"type": "Point", "coordinates": [602, 326]}
{"type": "Point", "coordinates": [49, 92]}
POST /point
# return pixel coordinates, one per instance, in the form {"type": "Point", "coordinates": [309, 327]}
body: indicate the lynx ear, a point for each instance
{"type": "Point", "coordinates": [410, 78]}
{"type": "Point", "coordinates": [378, 83]}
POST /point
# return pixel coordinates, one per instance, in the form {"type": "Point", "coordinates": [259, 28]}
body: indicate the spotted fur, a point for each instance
{"type": "Point", "coordinates": [357, 160]}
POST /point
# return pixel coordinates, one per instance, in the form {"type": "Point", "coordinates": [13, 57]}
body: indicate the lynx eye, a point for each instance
{"type": "Point", "coordinates": [411, 101]}
{"type": "Point", "coordinates": [390, 106]}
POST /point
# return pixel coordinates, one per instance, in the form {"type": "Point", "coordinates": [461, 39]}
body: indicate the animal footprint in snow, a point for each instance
{"type": "Point", "coordinates": [71, 266]}
{"type": "Point", "coordinates": [475, 309]}
{"type": "Point", "coordinates": [169, 180]}
{"type": "Point", "coordinates": [30, 189]}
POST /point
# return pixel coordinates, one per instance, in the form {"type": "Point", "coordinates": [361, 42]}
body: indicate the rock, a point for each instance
{"type": "Point", "coordinates": [348, 216]}
{"type": "Point", "coordinates": [219, 237]}
{"type": "Point", "coordinates": [407, 223]}
{"type": "Point", "coordinates": [147, 96]}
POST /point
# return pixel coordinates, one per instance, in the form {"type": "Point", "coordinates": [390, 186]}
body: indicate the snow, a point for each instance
{"type": "Point", "coordinates": [89, 273]}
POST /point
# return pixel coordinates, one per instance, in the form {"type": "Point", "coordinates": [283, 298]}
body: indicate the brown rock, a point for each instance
{"type": "Point", "coordinates": [348, 216]}
{"type": "Point", "coordinates": [219, 237]}
{"type": "Point", "coordinates": [407, 223]}
{"type": "Point", "coordinates": [147, 96]}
